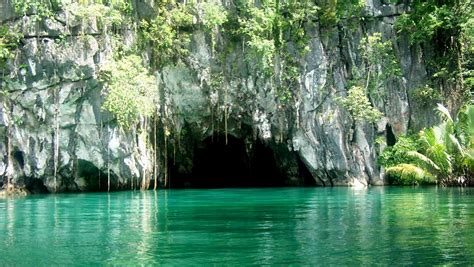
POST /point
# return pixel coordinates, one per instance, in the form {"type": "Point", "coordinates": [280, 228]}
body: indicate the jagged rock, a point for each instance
{"type": "Point", "coordinates": [58, 85]}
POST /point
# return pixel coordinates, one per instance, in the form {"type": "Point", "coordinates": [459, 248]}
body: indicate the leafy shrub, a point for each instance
{"type": "Point", "coordinates": [163, 33]}
{"type": "Point", "coordinates": [130, 91]}
{"type": "Point", "coordinates": [426, 95]}
{"type": "Point", "coordinates": [358, 105]}
{"type": "Point", "coordinates": [9, 41]}
{"type": "Point", "coordinates": [397, 154]}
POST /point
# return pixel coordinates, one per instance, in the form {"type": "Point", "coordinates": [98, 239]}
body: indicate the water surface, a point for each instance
{"type": "Point", "coordinates": [241, 226]}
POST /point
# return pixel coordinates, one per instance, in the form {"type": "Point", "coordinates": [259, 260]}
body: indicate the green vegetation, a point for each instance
{"type": "Point", "coordinates": [38, 9]}
{"type": "Point", "coordinates": [272, 38]}
{"type": "Point", "coordinates": [378, 67]}
{"type": "Point", "coordinates": [166, 33]}
{"type": "Point", "coordinates": [443, 153]}
{"type": "Point", "coordinates": [428, 18]}
{"type": "Point", "coordinates": [426, 95]}
{"type": "Point", "coordinates": [333, 11]}
{"type": "Point", "coordinates": [106, 16]}
{"type": "Point", "coordinates": [213, 15]}
{"type": "Point", "coordinates": [359, 106]}
{"type": "Point", "coordinates": [130, 92]}
{"type": "Point", "coordinates": [448, 25]}
{"type": "Point", "coordinates": [377, 54]}
{"type": "Point", "coordinates": [9, 41]}
{"type": "Point", "coordinates": [256, 26]}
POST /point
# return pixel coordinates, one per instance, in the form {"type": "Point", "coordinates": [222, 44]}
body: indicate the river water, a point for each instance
{"type": "Point", "coordinates": [380, 225]}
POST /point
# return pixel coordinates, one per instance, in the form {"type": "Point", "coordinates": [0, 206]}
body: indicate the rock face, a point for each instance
{"type": "Point", "coordinates": [63, 141]}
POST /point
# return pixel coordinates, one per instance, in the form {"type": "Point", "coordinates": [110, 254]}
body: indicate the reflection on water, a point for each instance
{"type": "Point", "coordinates": [242, 226]}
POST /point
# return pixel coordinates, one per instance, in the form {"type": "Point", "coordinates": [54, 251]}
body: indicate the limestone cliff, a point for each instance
{"type": "Point", "coordinates": [62, 139]}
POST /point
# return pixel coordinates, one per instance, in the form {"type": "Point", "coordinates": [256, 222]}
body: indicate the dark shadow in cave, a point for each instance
{"type": "Point", "coordinates": [217, 165]}
{"type": "Point", "coordinates": [391, 139]}
{"type": "Point", "coordinates": [95, 179]}
{"type": "Point", "coordinates": [19, 156]}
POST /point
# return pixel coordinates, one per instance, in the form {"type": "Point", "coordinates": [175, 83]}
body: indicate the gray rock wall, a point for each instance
{"type": "Point", "coordinates": [57, 99]}
{"type": "Point", "coordinates": [58, 89]}
{"type": "Point", "coordinates": [335, 149]}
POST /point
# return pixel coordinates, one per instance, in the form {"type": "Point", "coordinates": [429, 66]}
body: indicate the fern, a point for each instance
{"type": "Point", "coordinates": [410, 174]}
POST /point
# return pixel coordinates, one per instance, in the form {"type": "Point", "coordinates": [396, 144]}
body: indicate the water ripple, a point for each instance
{"type": "Point", "coordinates": [324, 226]}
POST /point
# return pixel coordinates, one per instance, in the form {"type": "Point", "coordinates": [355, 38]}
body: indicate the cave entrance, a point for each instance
{"type": "Point", "coordinates": [233, 165]}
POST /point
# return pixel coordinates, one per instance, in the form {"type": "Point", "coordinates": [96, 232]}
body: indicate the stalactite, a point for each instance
{"type": "Point", "coordinates": [225, 115]}
{"type": "Point", "coordinates": [56, 138]}
{"type": "Point", "coordinates": [145, 137]}
{"type": "Point", "coordinates": [174, 153]}
{"type": "Point", "coordinates": [108, 159]}
{"type": "Point", "coordinates": [100, 138]}
{"type": "Point", "coordinates": [212, 124]}
{"type": "Point", "coordinates": [7, 113]}
{"type": "Point", "coordinates": [10, 168]}
{"type": "Point", "coordinates": [166, 156]}
{"type": "Point", "coordinates": [155, 152]}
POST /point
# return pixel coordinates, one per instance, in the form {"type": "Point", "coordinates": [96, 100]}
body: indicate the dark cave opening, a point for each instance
{"type": "Point", "coordinates": [19, 156]}
{"type": "Point", "coordinates": [391, 139]}
{"type": "Point", "coordinates": [220, 165]}
{"type": "Point", "coordinates": [94, 178]}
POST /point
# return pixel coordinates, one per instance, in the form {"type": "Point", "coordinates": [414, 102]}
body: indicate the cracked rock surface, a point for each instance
{"type": "Point", "coordinates": [58, 97]}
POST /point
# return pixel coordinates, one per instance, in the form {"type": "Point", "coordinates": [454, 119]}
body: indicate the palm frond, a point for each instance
{"type": "Point", "coordinates": [410, 174]}
{"type": "Point", "coordinates": [444, 113]}
{"type": "Point", "coordinates": [468, 160]}
{"type": "Point", "coordinates": [439, 155]}
{"type": "Point", "coordinates": [423, 159]}
{"type": "Point", "coordinates": [427, 137]}
{"type": "Point", "coordinates": [465, 126]}
{"type": "Point", "coordinates": [456, 144]}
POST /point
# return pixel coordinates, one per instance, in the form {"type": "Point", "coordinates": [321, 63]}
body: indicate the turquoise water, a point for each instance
{"type": "Point", "coordinates": [382, 226]}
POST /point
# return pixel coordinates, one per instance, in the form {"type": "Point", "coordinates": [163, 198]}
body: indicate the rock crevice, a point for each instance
{"type": "Point", "coordinates": [313, 131]}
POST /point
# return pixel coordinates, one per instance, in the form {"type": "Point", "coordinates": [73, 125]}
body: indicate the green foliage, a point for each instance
{"type": "Point", "coordinates": [213, 14]}
{"type": "Point", "coordinates": [376, 55]}
{"type": "Point", "coordinates": [448, 27]}
{"type": "Point", "coordinates": [358, 105]}
{"type": "Point", "coordinates": [409, 174]}
{"type": "Point", "coordinates": [130, 91]}
{"type": "Point", "coordinates": [467, 34]}
{"type": "Point", "coordinates": [379, 64]}
{"type": "Point", "coordinates": [268, 29]}
{"type": "Point", "coordinates": [397, 154]}
{"type": "Point", "coordinates": [9, 41]}
{"type": "Point", "coordinates": [465, 126]}
{"type": "Point", "coordinates": [376, 52]}
{"type": "Point", "coordinates": [40, 8]}
{"type": "Point", "coordinates": [407, 24]}
{"type": "Point", "coordinates": [256, 25]}
{"type": "Point", "coordinates": [291, 18]}
{"type": "Point", "coordinates": [426, 18]}
{"type": "Point", "coordinates": [106, 16]}
{"type": "Point", "coordinates": [165, 32]}
{"type": "Point", "coordinates": [332, 11]}
{"type": "Point", "coordinates": [290, 22]}
{"type": "Point", "coordinates": [426, 95]}
{"type": "Point", "coordinates": [444, 151]}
